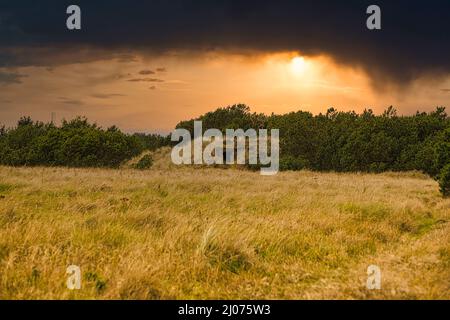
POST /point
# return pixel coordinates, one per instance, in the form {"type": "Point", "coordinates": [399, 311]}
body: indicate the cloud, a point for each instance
{"type": "Point", "coordinates": [445, 90]}
{"type": "Point", "coordinates": [8, 78]}
{"type": "Point", "coordinates": [121, 76]}
{"type": "Point", "coordinates": [152, 88]}
{"type": "Point", "coordinates": [145, 80]}
{"type": "Point", "coordinates": [414, 40]}
{"type": "Point", "coordinates": [146, 72]}
{"type": "Point", "coordinates": [126, 58]}
{"type": "Point", "coordinates": [161, 70]}
{"type": "Point", "coordinates": [52, 55]}
{"type": "Point", "coordinates": [107, 95]}
{"type": "Point", "coordinates": [70, 101]}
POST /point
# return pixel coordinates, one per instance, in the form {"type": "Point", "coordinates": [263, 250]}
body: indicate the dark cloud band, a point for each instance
{"type": "Point", "coordinates": [414, 40]}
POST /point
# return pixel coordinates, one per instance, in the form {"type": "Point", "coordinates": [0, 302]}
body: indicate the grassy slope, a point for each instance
{"type": "Point", "coordinates": [214, 233]}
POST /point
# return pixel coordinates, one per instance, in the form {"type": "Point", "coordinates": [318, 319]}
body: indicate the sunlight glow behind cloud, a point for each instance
{"type": "Point", "coordinates": [185, 85]}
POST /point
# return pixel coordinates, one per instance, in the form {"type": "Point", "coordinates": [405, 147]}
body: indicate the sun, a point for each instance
{"type": "Point", "coordinates": [298, 65]}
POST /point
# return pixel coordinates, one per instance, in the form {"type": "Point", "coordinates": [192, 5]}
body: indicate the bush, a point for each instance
{"type": "Point", "coordinates": [292, 163]}
{"type": "Point", "coordinates": [346, 141]}
{"type": "Point", "coordinates": [77, 143]}
{"type": "Point", "coordinates": [444, 181]}
{"type": "Point", "coordinates": [144, 163]}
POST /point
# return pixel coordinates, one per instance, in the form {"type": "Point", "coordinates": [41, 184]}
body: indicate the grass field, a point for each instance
{"type": "Point", "coordinates": [168, 233]}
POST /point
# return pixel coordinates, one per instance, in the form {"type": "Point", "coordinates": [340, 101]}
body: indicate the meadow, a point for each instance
{"type": "Point", "coordinates": [212, 233]}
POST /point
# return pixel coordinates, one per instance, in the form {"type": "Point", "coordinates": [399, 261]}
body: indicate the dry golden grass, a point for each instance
{"type": "Point", "coordinates": [187, 233]}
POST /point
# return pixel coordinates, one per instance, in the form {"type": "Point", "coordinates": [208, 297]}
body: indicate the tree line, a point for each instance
{"type": "Point", "coordinates": [76, 143]}
{"type": "Point", "coordinates": [348, 141]}
{"type": "Point", "coordinates": [334, 141]}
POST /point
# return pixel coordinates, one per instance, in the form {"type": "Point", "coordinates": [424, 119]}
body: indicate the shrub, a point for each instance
{"type": "Point", "coordinates": [292, 163]}
{"type": "Point", "coordinates": [144, 163]}
{"type": "Point", "coordinates": [77, 143]}
{"type": "Point", "coordinates": [346, 141]}
{"type": "Point", "coordinates": [444, 181]}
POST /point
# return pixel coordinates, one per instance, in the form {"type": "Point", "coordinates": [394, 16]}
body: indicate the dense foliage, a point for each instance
{"type": "Point", "coordinates": [76, 143]}
{"type": "Point", "coordinates": [152, 141]}
{"type": "Point", "coordinates": [144, 163]}
{"type": "Point", "coordinates": [347, 141]}
{"type": "Point", "coordinates": [444, 181]}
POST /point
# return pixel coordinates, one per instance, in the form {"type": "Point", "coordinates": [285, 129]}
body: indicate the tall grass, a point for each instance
{"type": "Point", "coordinates": [203, 233]}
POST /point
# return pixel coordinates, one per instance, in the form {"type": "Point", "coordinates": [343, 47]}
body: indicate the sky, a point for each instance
{"type": "Point", "coordinates": [145, 66]}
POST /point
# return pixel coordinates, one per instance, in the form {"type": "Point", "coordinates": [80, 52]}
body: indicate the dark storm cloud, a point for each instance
{"type": "Point", "coordinates": [414, 40]}
{"type": "Point", "coordinates": [51, 55]}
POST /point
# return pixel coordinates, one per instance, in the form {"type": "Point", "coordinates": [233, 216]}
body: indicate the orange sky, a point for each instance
{"type": "Point", "coordinates": [152, 94]}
